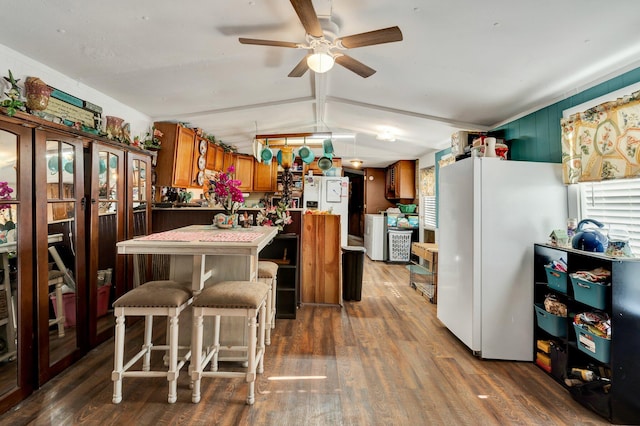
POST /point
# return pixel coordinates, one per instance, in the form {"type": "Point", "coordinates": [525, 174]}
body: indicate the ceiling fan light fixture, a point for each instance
{"type": "Point", "coordinates": [320, 62]}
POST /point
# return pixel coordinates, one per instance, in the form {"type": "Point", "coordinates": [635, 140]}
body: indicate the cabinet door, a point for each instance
{"type": "Point", "coordinates": [16, 267]}
{"type": "Point", "coordinates": [106, 187]}
{"type": "Point", "coordinates": [219, 162]}
{"type": "Point", "coordinates": [265, 177]}
{"type": "Point", "coordinates": [404, 184]}
{"type": "Point", "coordinates": [211, 156]}
{"type": "Point", "coordinates": [228, 160]}
{"type": "Point", "coordinates": [60, 237]}
{"type": "Point", "coordinates": [138, 212]}
{"type": "Point", "coordinates": [244, 172]}
{"type": "Point", "coordinates": [183, 168]}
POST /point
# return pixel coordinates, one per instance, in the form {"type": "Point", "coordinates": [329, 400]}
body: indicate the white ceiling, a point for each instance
{"type": "Point", "coordinates": [463, 64]}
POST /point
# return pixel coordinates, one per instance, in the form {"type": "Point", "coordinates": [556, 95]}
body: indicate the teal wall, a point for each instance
{"type": "Point", "coordinates": [536, 137]}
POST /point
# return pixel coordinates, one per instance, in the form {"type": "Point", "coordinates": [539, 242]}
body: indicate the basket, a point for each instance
{"type": "Point", "coordinates": [589, 293]}
{"type": "Point", "coordinates": [407, 208]}
{"type": "Point", "coordinates": [556, 280]}
{"type": "Point", "coordinates": [552, 324]}
{"type": "Point", "coordinates": [400, 246]}
{"type": "Point", "coordinates": [594, 346]}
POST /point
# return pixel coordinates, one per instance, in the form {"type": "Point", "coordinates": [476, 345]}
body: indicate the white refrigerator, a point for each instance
{"type": "Point", "coordinates": [330, 194]}
{"type": "Point", "coordinates": [490, 213]}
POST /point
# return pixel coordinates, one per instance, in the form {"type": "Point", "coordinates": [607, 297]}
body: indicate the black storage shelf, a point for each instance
{"type": "Point", "coordinates": [615, 399]}
{"type": "Point", "coordinates": [285, 250]}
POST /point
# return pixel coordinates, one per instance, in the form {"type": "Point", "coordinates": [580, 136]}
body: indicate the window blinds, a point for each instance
{"type": "Point", "coordinates": [616, 203]}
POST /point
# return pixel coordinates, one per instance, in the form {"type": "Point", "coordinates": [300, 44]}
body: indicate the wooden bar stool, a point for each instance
{"type": "Point", "coordinates": [229, 298]}
{"type": "Point", "coordinates": [56, 280]}
{"type": "Point", "coordinates": [268, 274]}
{"type": "Point", "coordinates": [155, 298]}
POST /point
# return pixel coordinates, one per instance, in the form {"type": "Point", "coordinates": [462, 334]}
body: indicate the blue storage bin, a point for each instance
{"type": "Point", "coordinates": [552, 324]}
{"type": "Point", "coordinates": [594, 346]}
{"type": "Point", "coordinates": [556, 280]}
{"type": "Point", "coordinates": [589, 293]}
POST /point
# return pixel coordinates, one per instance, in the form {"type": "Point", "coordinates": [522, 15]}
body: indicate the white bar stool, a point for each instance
{"type": "Point", "coordinates": [155, 298]}
{"type": "Point", "coordinates": [229, 298]}
{"type": "Point", "coordinates": [268, 274]}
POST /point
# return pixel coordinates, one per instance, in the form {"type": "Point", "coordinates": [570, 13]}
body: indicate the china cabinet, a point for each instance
{"type": "Point", "coordinates": [17, 375]}
{"type": "Point", "coordinates": [58, 165]}
{"type": "Point", "coordinates": [104, 169]}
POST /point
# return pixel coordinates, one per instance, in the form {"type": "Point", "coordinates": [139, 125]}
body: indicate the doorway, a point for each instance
{"type": "Point", "coordinates": [356, 202]}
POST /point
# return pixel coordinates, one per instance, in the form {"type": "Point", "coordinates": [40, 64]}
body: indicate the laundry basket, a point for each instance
{"type": "Point", "coordinates": [399, 245]}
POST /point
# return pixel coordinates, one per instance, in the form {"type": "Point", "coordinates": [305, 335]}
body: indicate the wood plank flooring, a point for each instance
{"type": "Point", "coordinates": [385, 360]}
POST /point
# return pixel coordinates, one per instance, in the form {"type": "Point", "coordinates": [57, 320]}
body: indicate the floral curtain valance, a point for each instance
{"type": "Point", "coordinates": [602, 142]}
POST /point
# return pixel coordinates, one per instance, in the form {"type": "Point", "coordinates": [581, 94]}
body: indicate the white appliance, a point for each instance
{"type": "Point", "coordinates": [331, 194]}
{"type": "Point", "coordinates": [491, 212]}
{"type": "Point", "coordinates": [375, 236]}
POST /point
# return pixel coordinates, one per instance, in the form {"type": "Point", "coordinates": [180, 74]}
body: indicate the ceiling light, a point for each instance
{"type": "Point", "coordinates": [386, 136]}
{"type": "Point", "coordinates": [321, 59]}
{"type": "Point", "coordinates": [356, 163]}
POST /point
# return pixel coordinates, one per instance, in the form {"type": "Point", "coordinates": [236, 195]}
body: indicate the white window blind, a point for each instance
{"type": "Point", "coordinates": [616, 203]}
{"type": "Point", "coordinates": [429, 211]}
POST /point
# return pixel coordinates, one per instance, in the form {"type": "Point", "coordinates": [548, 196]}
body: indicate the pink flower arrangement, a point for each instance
{"type": "Point", "coordinates": [224, 190]}
{"type": "Point", "coordinates": [274, 216]}
{"type": "Point", "coordinates": [5, 194]}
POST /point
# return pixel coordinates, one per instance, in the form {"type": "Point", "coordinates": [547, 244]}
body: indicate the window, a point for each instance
{"type": "Point", "coordinates": [616, 203]}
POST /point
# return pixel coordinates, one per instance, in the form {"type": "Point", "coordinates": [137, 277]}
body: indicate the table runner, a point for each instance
{"type": "Point", "coordinates": [207, 236]}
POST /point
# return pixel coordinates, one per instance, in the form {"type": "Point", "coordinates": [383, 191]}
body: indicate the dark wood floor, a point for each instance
{"type": "Point", "coordinates": [383, 361]}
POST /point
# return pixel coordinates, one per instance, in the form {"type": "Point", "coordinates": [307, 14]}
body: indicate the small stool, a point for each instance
{"type": "Point", "coordinates": [155, 298]}
{"type": "Point", "coordinates": [56, 280]}
{"type": "Point", "coordinates": [229, 298]}
{"type": "Point", "coordinates": [268, 274]}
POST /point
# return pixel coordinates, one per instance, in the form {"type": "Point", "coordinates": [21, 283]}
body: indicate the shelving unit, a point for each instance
{"type": "Point", "coordinates": [615, 397]}
{"type": "Point", "coordinates": [285, 251]}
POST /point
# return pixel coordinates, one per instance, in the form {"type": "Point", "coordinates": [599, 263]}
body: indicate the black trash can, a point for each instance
{"type": "Point", "coordinates": [352, 265]}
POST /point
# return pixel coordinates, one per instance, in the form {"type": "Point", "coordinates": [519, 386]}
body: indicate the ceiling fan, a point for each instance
{"type": "Point", "coordinates": [324, 48]}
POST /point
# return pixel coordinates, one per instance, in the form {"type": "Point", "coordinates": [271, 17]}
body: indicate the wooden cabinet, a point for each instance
{"type": "Point", "coordinates": [321, 260]}
{"type": "Point", "coordinates": [613, 392]}
{"type": "Point", "coordinates": [228, 159]}
{"type": "Point", "coordinates": [244, 171]}
{"type": "Point", "coordinates": [215, 157]}
{"type": "Point", "coordinates": [175, 165]}
{"type": "Point", "coordinates": [265, 177]}
{"type": "Point", "coordinates": [285, 251]}
{"type": "Point", "coordinates": [401, 180]}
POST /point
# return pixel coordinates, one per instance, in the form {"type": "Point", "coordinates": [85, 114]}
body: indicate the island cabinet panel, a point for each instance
{"type": "Point", "coordinates": [321, 260]}
{"type": "Point", "coordinates": [176, 158]}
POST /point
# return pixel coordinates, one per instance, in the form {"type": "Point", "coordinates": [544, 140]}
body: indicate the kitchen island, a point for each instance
{"type": "Point", "coordinates": [205, 255]}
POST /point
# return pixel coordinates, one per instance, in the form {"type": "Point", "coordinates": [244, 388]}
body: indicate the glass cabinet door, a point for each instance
{"type": "Point", "coordinates": [106, 267]}
{"type": "Point", "coordinates": [16, 309]}
{"type": "Point", "coordinates": [62, 295]}
{"type": "Point", "coordinates": [138, 214]}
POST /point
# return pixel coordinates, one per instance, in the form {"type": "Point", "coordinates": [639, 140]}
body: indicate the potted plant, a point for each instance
{"type": "Point", "coordinates": [224, 191]}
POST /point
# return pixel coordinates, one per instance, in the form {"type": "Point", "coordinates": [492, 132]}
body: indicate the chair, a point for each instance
{"type": "Point", "coordinates": [229, 298]}
{"type": "Point", "coordinates": [56, 280]}
{"type": "Point", "coordinates": [268, 274]}
{"type": "Point", "coordinates": [155, 298]}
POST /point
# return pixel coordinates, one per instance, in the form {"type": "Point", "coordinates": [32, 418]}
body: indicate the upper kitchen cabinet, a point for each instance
{"type": "Point", "coordinates": [317, 171]}
{"type": "Point", "coordinates": [215, 157]}
{"type": "Point", "coordinates": [178, 159]}
{"type": "Point", "coordinates": [400, 180]}
{"type": "Point", "coordinates": [244, 171]}
{"type": "Point", "coordinates": [265, 177]}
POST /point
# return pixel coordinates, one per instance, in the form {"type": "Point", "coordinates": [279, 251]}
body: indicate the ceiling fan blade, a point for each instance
{"type": "Point", "coordinates": [300, 69]}
{"type": "Point", "coordinates": [354, 65]}
{"type": "Point", "coordinates": [385, 35]}
{"type": "Point", "coordinates": [307, 15]}
{"type": "Point", "coordinates": [268, 42]}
